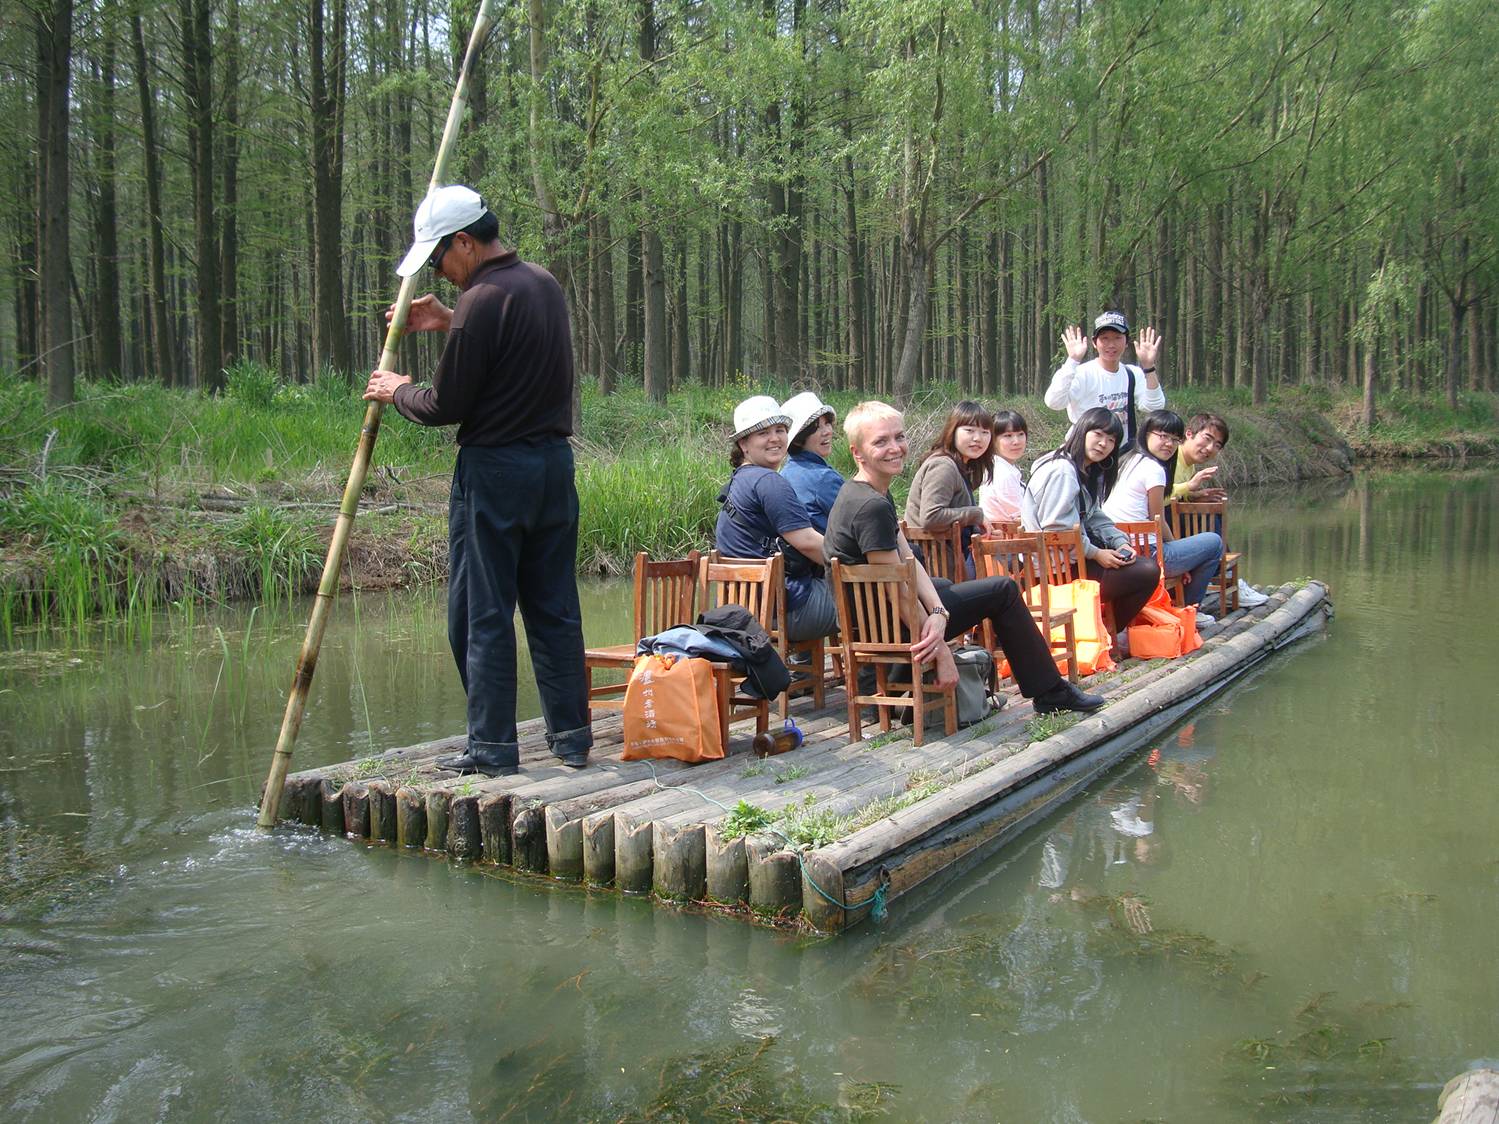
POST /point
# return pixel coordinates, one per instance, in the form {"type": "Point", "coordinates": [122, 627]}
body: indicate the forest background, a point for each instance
{"type": "Point", "coordinates": [892, 197]}
{"type": "Point", "coordinates": [862, 194]}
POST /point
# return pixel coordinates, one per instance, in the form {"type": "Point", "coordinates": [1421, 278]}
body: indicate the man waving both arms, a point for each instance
{"type": "Point", "coordinates": [1126, 390]}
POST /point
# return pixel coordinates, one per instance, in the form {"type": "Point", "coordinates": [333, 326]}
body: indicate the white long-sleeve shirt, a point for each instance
{"type": "Point", "coordinates": [1076, 387]}
{"type": "Point", "coordinates": [999, 495]}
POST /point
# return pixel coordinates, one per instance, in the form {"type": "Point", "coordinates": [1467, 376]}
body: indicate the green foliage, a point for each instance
{"type": "Point", "coordinates": [1043, 726]}
{"type": "Point", "coordinates": [251, 383]}
{"type": "Point", "coordinates": [744, 819]}
{"type": "Point", "coordinates": [74, 547]}
{"type": "Point", "coordinates": [280, 549]}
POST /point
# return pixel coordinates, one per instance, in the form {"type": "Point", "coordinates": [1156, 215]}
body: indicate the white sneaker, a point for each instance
{"type": "Point", "coordinates": [1249, 597]}
{"type": "Point", "coordinates": [1206, 618]}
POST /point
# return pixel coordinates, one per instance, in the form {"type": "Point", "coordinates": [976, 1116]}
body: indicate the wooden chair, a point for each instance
{"type": "Point", "coordinates": [1001, 529]}
{"type": "Point", "coordinates": [1143, 536]}
{"type": "Point", "coordinates": [665, 596]}
{"type": "Point", "coordinates": [751, 582]}
{"type": "Point", "coordinates": [941, 548]}
{"type": "Point", "coordinates": [1188, 519]}
{"type": "Point", "coordinates": [1063, 555]}
{"type": "Point", "coordinates": [816, 648]}
{"type": "Point", "coordinates": [1066, 563]}
{"type": "Point", "coordinates": [1021, 557]}
{"type": "Point", "coordinates": [874, 603]}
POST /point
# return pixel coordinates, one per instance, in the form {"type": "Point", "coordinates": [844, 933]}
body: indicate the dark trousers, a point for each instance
{"type": "Point", "coordinates": [1127, 588]}
{"type": "Point", "coordinates": [513, 540]}
{"type": "Point", "coordinates": [998, 601]}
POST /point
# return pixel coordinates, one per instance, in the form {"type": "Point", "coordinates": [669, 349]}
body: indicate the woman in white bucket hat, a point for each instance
{"type": "Point", "coordinates": [761, 515]}
{"type": "Point", "coordinates": [815, 482]}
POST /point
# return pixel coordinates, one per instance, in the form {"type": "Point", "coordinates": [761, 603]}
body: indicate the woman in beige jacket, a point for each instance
{"type": "Point", "coordinates": [960, 460]}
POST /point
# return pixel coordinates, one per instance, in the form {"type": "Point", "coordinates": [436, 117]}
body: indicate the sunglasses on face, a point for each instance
{"type": "Point", "coordinates": [435, 261]}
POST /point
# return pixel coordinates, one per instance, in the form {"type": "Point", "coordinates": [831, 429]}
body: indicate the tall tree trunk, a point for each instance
{"type": "Point", "coordinates": [197, 87]}
{"type": "Point", "coordinates": [681, 358]}
{"type": "Point", "coordinates": [1475, 366]}
{"type": "Point", "coordinates": [1041, 259]}
{"type": "Point", "coordinates": [54, 41]}
{"type": "Point", "coordinates": [326, 54]}
{"type": "Point", "coordinates": [657, 372]}
{"type": "Point", "coordinates": [704, 315]}
{"type": "Point", "coordinates": [634, 309]}
{"type": "Point", "coordinates": [1005, 341]}
{"type": "Point", "coordinates": [915, 262]}
{"type": "Point", "coordinates": [1457, 310]}
{"type": "Point", "coordinates": [107, 334]}
{"type": "Point", "coordinates": [657, 369]}
{"type": "Point", "coordinates": [603, 303]}
{"type": "Point", "coordinates": [478, 108]}
{"type": "Point", "coordinates": [854, 272]}
{"type": "Point", "coordinates": [161, 320]}
{"type": "Point", "coordinates": [229, 234]}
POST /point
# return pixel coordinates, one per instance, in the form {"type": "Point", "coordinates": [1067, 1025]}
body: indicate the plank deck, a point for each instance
{"type": "Point", "coordinates": [656, 826]}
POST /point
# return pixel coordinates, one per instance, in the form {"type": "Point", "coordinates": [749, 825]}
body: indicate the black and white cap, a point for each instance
{"type": "Point", "coordinates": [1111, 321]}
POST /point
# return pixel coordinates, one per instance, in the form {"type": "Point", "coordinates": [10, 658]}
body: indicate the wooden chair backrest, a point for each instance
{"type": "Point", "coordinates": [1064, 555]}
{"type": "Point", "coordinates": [874, 603]}
{"type": "Point", "coordinates": [1004, 528]}
{"type": "Point", "coordinates": [942, 547]}
{"type": "Point", "coordinates": [1144, 534]}
{"type": "Point", "coordinates": [1021, 557]}
{"type": "Point", "coordinates": [771, 622]}
{"type": "Point", "coordinates": [1188, 519]}
{"type": "Point", "coordinates": [665, 593]}
{"type": "Point", "coordinates": [755, 583]}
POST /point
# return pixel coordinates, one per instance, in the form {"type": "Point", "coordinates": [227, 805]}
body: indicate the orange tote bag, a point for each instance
{"type": "Point", "coordinates": [1093, 640]}
{"type": "Point", "coordinates": [1163, 631]}
{"type": "Point", "coordinates": [671, 710]}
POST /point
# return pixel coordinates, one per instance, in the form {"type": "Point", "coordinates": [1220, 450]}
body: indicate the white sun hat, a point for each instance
{"type": "Point", "coordinates": [803, 409]}
{"type": "Point", "coordinates": [757, 413]}
{"type": "Point", "coordinates": [443, 212]}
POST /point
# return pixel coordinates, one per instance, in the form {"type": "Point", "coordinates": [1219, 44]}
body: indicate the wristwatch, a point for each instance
{"type": "Point", "coordinates": [939, 611]}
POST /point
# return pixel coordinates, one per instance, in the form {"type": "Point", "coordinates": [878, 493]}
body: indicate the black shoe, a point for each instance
{"type": "Point", "coordinates": [1065, 696]}
{"type": "Point", "coordinates": [463, 764]}
{"type": "Point", "coordinates": [573, 760]}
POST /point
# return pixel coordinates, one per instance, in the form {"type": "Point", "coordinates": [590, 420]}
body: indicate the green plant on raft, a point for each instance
{"type": "Point", "coordinates": [744, 819]}
{"type": "Point", "coordinates": [1044, 726]}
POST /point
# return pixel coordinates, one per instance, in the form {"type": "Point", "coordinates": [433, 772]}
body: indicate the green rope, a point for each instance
{"type": "Point", "coordinates": [877, 899]}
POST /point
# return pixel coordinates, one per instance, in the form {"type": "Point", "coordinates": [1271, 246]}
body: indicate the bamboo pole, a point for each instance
{"type": "Point", "coordinates": [296, 703]}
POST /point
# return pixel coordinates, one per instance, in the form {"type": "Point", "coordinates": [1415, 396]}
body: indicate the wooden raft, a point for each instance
{"type": "Point", "coordinates": [655, 827]}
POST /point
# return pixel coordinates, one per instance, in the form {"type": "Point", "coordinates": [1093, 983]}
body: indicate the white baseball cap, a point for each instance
{"type": "Point", "coordinates": [757, 413]}
{"type": "Point", "coordinates": [803, 409]}
{"type": "Point", "coordinates": [444, 211]}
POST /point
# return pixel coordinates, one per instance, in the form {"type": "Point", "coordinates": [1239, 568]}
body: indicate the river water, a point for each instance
{"type": "Point", "coordinates": [1283, 911]}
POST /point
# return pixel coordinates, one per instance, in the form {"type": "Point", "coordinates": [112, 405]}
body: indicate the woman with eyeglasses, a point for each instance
{"type": "Point", "coordinates": [1138, 496]}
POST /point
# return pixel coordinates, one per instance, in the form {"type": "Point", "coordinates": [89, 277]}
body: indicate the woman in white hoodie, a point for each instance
{"type": "Point", "coordinates": [1067, 488]}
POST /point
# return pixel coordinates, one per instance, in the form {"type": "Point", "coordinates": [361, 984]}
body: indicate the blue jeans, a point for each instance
{"type": "Point", "coordinates": [1199, 557]}
{"type": "Point", "coordinates": [513, 540]}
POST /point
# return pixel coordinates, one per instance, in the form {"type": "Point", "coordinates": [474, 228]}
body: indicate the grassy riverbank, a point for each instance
{"type": "Point", "coordinates": [137, 496]}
